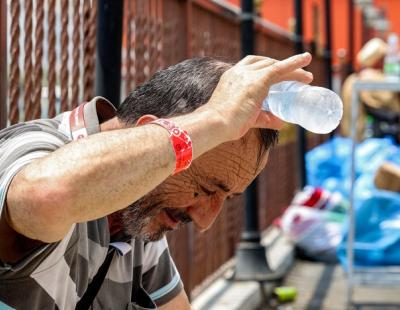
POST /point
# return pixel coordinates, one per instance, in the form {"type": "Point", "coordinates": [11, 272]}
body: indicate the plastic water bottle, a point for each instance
{"type": "Point", "coordinates": [316, 109]}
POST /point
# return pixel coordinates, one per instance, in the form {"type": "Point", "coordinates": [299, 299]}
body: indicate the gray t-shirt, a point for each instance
{"type": "Point", "coordinates": [56, 275]}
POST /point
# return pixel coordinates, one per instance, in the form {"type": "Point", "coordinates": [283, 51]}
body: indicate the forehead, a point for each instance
{"type": "Point", "coordinates": [233, 164]}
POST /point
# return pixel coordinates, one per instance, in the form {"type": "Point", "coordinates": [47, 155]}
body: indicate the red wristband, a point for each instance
{"type": "Point", "coordinates": [181, 143]}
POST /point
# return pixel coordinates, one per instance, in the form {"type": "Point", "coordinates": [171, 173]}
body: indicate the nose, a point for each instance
{"type": "Point", "coordinates": [205, 211]}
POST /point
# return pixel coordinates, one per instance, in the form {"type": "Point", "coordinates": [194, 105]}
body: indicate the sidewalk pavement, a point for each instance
{"type": "Point", "coordinates": [319, 286]}
{"type": "Point", "coordinates": [223, 294]}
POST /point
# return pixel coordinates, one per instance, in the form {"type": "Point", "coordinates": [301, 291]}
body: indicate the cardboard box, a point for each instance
{"type": "Point", "coordinates": [388, 177]}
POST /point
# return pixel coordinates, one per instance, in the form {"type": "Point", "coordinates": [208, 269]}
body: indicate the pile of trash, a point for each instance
{"type": "Point", "coordinates": [316, 220]}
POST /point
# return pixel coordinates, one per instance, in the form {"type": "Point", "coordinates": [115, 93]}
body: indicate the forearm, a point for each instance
{"type": "Point", "coordinates": [91, 178]}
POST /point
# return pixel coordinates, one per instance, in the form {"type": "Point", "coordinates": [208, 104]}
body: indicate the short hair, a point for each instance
{"type": "Point", "coordinates": [178, 90]}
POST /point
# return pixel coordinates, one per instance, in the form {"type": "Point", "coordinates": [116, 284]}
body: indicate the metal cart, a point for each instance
{"type": "Point", "coordinates": [372, 276]}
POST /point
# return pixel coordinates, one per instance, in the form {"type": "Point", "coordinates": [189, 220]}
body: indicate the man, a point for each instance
{"type": "Point", "coordinates": [56, 194]}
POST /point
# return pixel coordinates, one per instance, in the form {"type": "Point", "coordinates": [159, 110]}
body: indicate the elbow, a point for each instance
{"type": "Point", "coordinates": [39, 208]}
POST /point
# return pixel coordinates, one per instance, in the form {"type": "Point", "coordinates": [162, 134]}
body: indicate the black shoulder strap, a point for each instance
{"type": "Point", "coordinates": [91, 292]}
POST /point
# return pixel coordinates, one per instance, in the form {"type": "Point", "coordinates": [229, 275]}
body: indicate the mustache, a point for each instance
{"type": "Point", "coordinates": [179, 215]}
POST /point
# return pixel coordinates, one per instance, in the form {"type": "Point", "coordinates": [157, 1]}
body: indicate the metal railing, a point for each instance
{"type": "Point", "coordinates": [51, 56]}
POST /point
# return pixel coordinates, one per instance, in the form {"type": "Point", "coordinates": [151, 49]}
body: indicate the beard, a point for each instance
{"type": "Point", "coordinates": [137, 219]}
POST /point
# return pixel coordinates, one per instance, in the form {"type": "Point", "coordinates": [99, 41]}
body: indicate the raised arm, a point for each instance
{"type": "Point", "coordinates": [106, 172]}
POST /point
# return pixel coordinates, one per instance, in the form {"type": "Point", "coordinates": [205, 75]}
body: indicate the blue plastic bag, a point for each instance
{"type": "Point", "coordinates": [377, 235]}
{"type": "Point", "coordinates": [329, 164]}
{"type": "Point", "coordinates": [377, 240]}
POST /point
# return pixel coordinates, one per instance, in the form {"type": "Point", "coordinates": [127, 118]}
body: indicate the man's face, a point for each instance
{"type": "Point", "coordinates": [197, 194]}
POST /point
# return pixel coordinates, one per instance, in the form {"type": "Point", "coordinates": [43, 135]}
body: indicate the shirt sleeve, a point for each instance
{"type": "Point", "coordinates": [18, 148]}
{"type": "Point", "coordinates": [18, 151]}
{"type": "Point", "coordinates": [160, 277]}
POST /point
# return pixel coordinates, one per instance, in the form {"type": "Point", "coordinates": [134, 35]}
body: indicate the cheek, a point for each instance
{"type": "Point", "coordinates": [205, 211]}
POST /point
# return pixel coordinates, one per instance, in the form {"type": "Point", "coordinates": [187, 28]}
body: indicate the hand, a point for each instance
{"type": "Point", "coordinates": [241, 90]}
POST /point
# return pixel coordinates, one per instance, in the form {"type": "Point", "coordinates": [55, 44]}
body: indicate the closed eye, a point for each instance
{"type": "Point", "coordinates": [206, 191]}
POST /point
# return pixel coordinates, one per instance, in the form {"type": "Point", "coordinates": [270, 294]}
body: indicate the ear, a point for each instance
{"type": "Point", "coordinates": [143, 120]}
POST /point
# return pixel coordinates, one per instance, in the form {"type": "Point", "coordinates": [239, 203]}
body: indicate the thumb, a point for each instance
{"type": "Point", "coordinates": [268, 120]}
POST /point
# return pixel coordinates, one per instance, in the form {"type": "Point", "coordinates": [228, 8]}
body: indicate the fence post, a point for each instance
{"type": "Point", "coordinates": [251, 260]}
{"type": "Point", "coordinates": [301, 133]}
{"type": "Point", "coordinates": [328, 48]}
{"type": "Point", "coordinates": [109, 49]}
{"type": "Point", "coordinates": [3, 64]}
{"type": "Point", "coordinates": [350, 53]}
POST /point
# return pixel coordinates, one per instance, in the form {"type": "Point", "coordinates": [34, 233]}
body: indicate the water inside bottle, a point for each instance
{"type": "Point", "coordinates": [281, 105]}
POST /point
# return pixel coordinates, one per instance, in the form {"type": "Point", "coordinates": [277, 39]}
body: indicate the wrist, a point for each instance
{"type": "Point", "coordinates": [207, 128]}
{"type": "Point", "coordinates": [181, 142]}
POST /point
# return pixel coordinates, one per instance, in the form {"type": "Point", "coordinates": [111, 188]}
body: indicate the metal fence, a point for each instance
{"type": "Point", "coordinates": [51, 50]}
{"type": "Point", "coordinates": [51, 68]}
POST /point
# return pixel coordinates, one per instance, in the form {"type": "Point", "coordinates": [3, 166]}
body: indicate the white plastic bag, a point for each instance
{"type": "Point", "coordinates": [316, 232]}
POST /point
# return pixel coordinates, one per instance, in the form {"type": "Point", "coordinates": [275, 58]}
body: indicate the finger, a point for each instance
{"type": "Point", "coordinates": [250, 59]}
{"type": "Point", "coordinates": [262, 63]}
{"type": "Point", "coordinates": [275, 72]}
{"type": "Point", "coordinates": [298, 75]}
{"type": "Point", "coordinates": [268, 120]}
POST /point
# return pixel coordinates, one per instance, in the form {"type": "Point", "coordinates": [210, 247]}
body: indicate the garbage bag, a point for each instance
{"type": "Point", "coordinates": [317, 233]}
{"type": "Point", "coordinates": [377, 212]}
{"type": "Point", "coordinates": [377, 234]}
{"type": "Point", "coordinates": [319, 198]}
{"type": "Point", "coordinates": [329, 164]}
{"type": "Point", "coordinates": [326, 161]}
{"type": "Point", "coordinates": [314, 222]}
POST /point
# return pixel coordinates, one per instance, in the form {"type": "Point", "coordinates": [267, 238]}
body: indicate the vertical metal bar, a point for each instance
{"type": "Point", "coordinates": [3, 64]}
{"type": "Point", "coordinates": [128, 45]}
{"type": "Point", "coordinates": [189, 37]}
{"type": "Point", "coordinates": [76, 54]}
{"type": "Point", "coordinates": [92, 46]}
{"type": "Point", "coordinates": [89, 49]}
{"type": "Point", "coordinates": [152, 61]}
{"type": "Point", "coordinates": [328, 48]}
{"type": "Point", "coordinates": [251, 226]}
{"type": "Point", "coordinates": [350, 68]}
{"type": "Point", "coordinates": [51, 52]}
{"type": "Point", "coordinates": [301, 133]}
{"type": "Point", "coordinates": [351, 211]}
{"type": "Point", "coordinates": [160, 37]}
{"type": "Point", "coordinates": [28, 65]}
{"type": "Point", "coordinates": [38, 67]}
{"type": "Point", "coordinates": [64, 56]}
{"type": "Point", "coordinates": [14, 64]}
{"type": "Point", "coordinates": [250, 231]}
{"type": "Point", "coordinates": [251, 260]}
{"type": "Point", "coordinates": [109, 48]}
{"type": "Point", "coordinates": [146, 43]}
{"type": "Point", "coordinates": [140, 21]}
{"type": "Point", "coordinates": [298, 10]}
{"type": "Point", "coordinates": [246, 28]}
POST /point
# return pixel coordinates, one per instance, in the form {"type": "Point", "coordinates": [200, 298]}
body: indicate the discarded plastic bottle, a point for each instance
{"type": "Point", "coordinates": [316, 109]}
